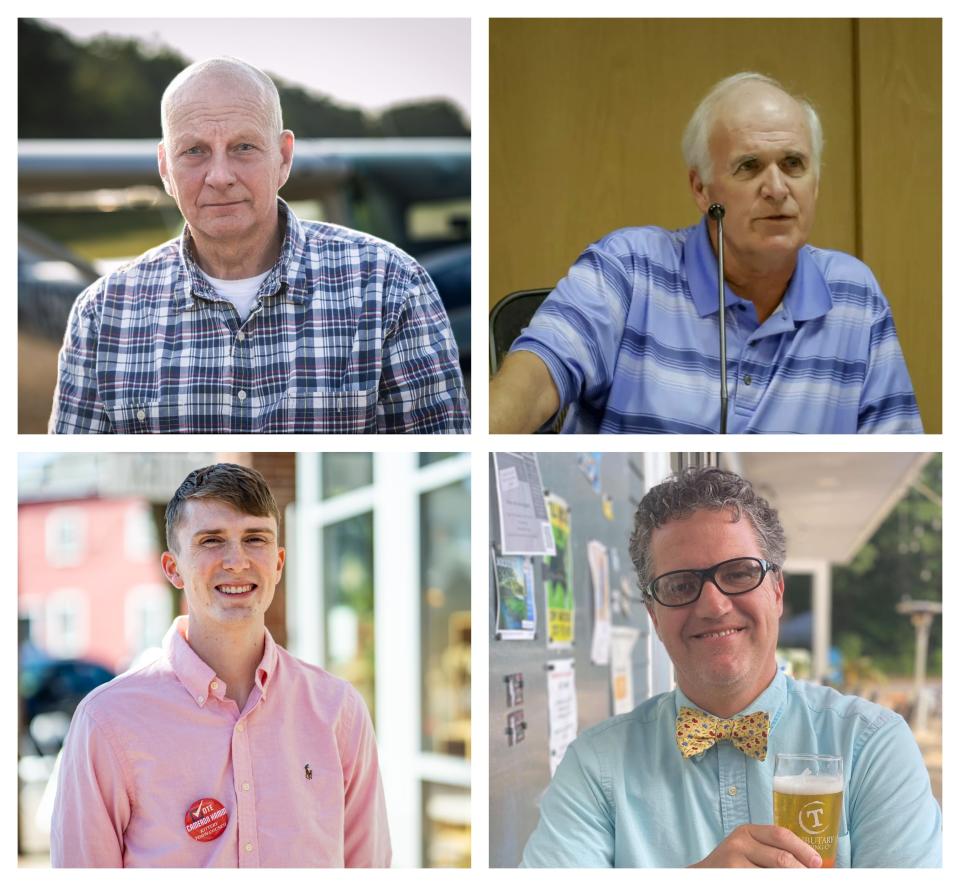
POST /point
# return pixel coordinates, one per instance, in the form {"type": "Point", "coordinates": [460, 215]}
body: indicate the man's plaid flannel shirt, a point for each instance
{"type": "Point", "coordinates": [348, 336]}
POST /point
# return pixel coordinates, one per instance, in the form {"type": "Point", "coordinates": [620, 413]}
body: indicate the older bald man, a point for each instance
{"type": "Point", "coordinates": [629, 339]}
{"type": "Point", "coordinates": [254, 321]}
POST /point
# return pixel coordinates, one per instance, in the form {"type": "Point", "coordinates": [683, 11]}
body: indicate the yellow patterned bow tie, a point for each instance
{"type": "Point", "coordinates": [697, 731]}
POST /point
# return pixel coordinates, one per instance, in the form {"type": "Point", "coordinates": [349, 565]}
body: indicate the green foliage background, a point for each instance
{"type": "Point", "coordinates": [903, 558]}
{"type": "Point", "coordinates": [111, 88]}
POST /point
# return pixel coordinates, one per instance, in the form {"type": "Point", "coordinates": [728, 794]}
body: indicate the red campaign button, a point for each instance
{"type": "Point", "coordinates": [206, 820]}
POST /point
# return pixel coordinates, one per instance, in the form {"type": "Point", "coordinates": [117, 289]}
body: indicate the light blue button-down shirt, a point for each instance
{"type": "Point", "coordinates": [623, 796]}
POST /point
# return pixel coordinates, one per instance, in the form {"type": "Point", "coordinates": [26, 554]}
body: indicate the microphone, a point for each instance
{"type": "Point", "coordinates": [717, 212]}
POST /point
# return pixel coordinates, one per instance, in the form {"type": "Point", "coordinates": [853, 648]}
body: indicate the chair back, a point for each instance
{"type": "Point", "coordinates": [508, 319]}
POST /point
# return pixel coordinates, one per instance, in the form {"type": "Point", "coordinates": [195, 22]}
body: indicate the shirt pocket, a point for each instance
{"type": "Point", "coordinates": [330, 412]}
{"type": "Point", "coordinates": [148, 416]}
{"type": "Point", "coordinates": [183, 414]}
{"type": "Point", "coordinates": [307, 815]}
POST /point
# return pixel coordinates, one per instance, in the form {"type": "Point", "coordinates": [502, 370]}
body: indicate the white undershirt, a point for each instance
{"type": "Point", "coordinates": [242, 294]}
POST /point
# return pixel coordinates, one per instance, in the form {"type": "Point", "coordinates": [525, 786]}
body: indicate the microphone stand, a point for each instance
{"type": "Point", "coordinates": [716, 212]}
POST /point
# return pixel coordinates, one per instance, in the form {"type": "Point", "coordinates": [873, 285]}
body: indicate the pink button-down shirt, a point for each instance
{"type": "Point", "coordinates": [296, 769]}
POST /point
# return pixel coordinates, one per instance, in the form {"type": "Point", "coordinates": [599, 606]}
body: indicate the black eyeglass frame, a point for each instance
{"type": "Point", "coordinates": [711, 574]}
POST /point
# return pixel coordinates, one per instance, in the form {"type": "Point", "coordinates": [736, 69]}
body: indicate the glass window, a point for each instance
{"type": "Point", "coordinates": [445, 620]}
{"type": "Point", "coordinates": [431, 458]}
{"type": "Point", "coordinates": [345, 471]}
{"type": "Point", "coordinates": [65, 537]}
{"type": "Point", "coordinates": [348, 601]}
{"type": "Point", "coordinates": [440, 220]}
{"type": "Point", "coordinates": [139, 532]}
{"type": "Point", "coordinates": [66, 621]}
{"type": "Point", "coordinates": [446, 826]}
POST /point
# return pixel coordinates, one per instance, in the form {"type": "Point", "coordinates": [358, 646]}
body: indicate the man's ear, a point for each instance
{"type": "Point", "coordinates": [168, 563]}
{"type": "Point", "coordinates": [162, 166]}
{"type": "Point", "coordinates": [778, 589]}
{"type": "Point", "coordinates": [653, 617]}
{"type": "Point", "coordinates": [286, 156]}
{"type": "Point", "coordinates": [699, 190]}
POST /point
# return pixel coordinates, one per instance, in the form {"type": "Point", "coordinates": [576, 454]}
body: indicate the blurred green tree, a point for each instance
{"type": "Point", "coordinates": [110, 87]}
{"type": "Point", "coordinates": [312, 116]}
{"type": "Point", "coordinates": [46, 104]}
{"type": "Point", "coordinates": [438, 118]}
{"type": "Point", "coordinates": [903, 558]}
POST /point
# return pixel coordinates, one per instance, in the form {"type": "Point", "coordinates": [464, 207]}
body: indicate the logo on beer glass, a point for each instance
{"type": "Point", "coordinates": [811, 818]}
{"type": "Point", "coordinates": [808, 799]}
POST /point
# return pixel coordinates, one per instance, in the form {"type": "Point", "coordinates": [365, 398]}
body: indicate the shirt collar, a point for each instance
{"type": "Point", "coordinates": [772, 700]}
{"type": "Point", "coordinates": [197, 676]}
{"type": "Point", "coordinates": [806, 298]}
{"type": "Point", "coordinates": [285, 277]}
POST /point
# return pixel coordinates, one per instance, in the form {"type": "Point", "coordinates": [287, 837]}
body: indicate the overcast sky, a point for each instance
{"type": "Point", "coordinates": [368, 62]}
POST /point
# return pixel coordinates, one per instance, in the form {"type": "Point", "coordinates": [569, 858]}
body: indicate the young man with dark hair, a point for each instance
{"type": "Point", "coordinates": [226, 751]}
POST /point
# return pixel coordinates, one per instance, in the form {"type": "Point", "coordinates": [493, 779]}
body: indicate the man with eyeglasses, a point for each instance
{"type": "Point", "coordinates": [686, 779]}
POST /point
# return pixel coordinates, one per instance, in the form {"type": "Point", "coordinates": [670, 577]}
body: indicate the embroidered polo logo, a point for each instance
{"type": "Point", "coordinates": [307, 771]}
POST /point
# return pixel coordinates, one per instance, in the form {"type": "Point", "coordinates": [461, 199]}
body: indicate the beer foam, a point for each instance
{"type": "Point", "coordinates": [808, 784]}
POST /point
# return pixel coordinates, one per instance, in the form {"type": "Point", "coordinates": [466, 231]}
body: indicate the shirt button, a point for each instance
{"type": "Point", "coordinates": [246, 785]}
{"type": "Point", "coordinates": [200, 699]}
{"type": "Point", "coordinates": [732, 790]}
{"type": "Point", "coordinates": [241, 336]}
{"type": "Point", "coordinates": [141, 415]}
{"type": "Point", "coordinates": [241, 395]}
{"type": "Point", "coordinates": [239, 727]}
{"type": "Point", "coordinates": [249, 847]}
{"type": "Point", "coordinates": [214, 685]}
{"type": "Point", "coordinates": [747, 380]}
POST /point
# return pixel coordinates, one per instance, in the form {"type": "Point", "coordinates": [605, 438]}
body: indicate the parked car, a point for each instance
{"type": "Point", "coordinates": [50, 690]}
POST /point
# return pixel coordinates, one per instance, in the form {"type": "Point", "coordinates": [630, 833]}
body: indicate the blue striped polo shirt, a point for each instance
{"type": "Point", "coordinates": [631, 338]}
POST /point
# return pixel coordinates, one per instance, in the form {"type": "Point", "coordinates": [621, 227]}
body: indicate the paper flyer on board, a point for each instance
{"type": "Point", "coordinates": [524, 522]}
{"type": "Point", "coordinates": [562, 702]}
{"type": "Point", "coordinates": [600, 579]}
{"type": "Point", "coordinates": [622, 641]}
{"type": "Point", "coordinates": [589, 463]}
{"type": "Point", "coordinates": [558, 578]}
{"type": "Point", "coordinates": [516, 604]}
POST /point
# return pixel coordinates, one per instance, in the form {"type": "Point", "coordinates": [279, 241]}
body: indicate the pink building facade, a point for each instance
{"type": "Point", "coordinates": [90, 580]}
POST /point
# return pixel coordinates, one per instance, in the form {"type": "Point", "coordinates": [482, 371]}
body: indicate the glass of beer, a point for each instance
{"type": "Point", "coordinates": [808, 799]}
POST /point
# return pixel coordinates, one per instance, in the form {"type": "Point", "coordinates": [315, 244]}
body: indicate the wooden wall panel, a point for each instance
{"type": "Point", "coordinates": [900, 157]}
{"type": "Point", "coordinates": [586, 118]}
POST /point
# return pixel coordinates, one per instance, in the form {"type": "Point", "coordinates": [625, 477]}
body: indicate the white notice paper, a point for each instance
{"type": "Point", "coordinates": [524, 522]}
{"type": "Point", "coordinates": [600, 578]}
{"type": "Point", "coordinates": [623, 639]}
{"type": "Point", "coordinates": [562, 702]}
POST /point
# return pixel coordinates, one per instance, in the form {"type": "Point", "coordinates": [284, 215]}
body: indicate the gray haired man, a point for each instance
{"type": "Point", "coordinates": [629, 339]}
{"type": "Point", "coordinates": [254, 321]}
{"type": "Point", "coordinates": [639, 791]}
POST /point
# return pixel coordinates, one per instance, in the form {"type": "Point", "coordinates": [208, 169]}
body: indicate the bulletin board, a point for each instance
{"type": "Point", "coordinates": [602, 492]}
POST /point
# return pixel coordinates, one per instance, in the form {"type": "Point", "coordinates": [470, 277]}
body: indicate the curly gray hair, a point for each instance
{"type": "Point", "coordinates": [703, 489]}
